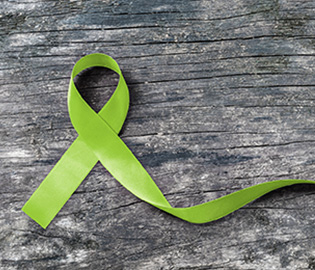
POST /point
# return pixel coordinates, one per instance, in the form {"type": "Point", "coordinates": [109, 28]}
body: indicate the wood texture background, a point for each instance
{"type": "Point", "coordinates": [222, 98]}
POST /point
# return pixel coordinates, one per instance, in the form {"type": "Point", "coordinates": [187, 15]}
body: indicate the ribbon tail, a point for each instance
{"type": "Point", "coordinates": [225, 205]}
{"type": "Point", "coordinates": [60, 183]}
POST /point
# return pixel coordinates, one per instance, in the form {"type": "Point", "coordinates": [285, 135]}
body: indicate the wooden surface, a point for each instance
{"type": "Point", "coordinates": [222, 98]}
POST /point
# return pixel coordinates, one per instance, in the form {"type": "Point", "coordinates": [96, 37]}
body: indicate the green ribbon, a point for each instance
{"type": "Point", "coordinates": [98, 140]}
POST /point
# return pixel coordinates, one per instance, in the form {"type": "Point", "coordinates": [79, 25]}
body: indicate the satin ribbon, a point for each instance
{"type": "Point", "coordinates": [98, 140]}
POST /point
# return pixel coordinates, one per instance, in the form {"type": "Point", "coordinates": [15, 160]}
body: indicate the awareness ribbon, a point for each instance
{"type": "Point", "coordinates": [98, 140]}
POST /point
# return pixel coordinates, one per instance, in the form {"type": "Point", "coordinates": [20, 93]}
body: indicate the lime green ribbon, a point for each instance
{"type": "Point", "coordinates": [98, 140]}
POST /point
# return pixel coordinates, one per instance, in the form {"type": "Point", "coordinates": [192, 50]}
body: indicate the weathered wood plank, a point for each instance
{"type": "Point", "coordinates": [222, 97]}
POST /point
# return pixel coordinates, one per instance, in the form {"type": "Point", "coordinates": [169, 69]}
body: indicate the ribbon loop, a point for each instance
{"type": "Point", "coordinates": [98, 140]}
{"type": "Point", "coordinates": [114, 112]}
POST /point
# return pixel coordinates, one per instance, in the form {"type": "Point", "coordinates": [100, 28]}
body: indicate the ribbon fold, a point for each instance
{"type": "Point", "coordinates": [98, 140]}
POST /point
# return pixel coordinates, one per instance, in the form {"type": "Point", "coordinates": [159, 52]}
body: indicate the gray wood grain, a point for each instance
{"type": "Point", "coordinates": [222, 98]}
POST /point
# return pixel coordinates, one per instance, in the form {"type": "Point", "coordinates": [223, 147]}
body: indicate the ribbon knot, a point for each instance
{"type": "Point", "coordinates": [98, 140]}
